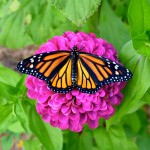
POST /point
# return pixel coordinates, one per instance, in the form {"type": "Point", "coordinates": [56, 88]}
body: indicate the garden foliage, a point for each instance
{"type": "Point", "coordinates": [124, 23]}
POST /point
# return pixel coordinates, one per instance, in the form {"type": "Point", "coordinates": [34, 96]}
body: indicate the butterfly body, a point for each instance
{"type": "Point", "coordinates": [65, 70]}
{"type": "Point", "coordinates": [74, 56]}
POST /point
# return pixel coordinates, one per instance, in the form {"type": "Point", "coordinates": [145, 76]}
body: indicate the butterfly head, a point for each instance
{"type": "Point", "coordinates": [74, 49]}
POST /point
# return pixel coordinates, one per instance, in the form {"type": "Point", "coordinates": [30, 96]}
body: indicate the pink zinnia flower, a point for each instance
{"type": "Point", "coordinates": [74, 109]}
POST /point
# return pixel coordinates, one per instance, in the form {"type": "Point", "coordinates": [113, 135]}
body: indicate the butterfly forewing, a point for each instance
{"type": "Point", "coordinates": [61, 81]}
{"type": "Point", "coordinates": [94, 72]}
{"type": "Point", "coordinates": [54, 68]}
{"type": "Point", "coordinates": [85, 82]}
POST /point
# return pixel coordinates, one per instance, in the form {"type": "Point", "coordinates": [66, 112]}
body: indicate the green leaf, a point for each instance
{"type": "Point", "coordinates": [16, 127]}
{"type": "Point", "coordinates": [47, 23]}
{"type": "Point", "coordinates": [21, 115]}
{"type": "Point", "coordinates": [133, 121]}
{"type": "Point", "coordinates": [13, 33]}
{"type": "Point", "coordinates": [7, 94]}
{"type": "Point", "coordinates": [92, 24]}
{"type": "Point", "coordinates": [21, 86]}
{"type": "Point", "coordinates": [112, 28]}
{"type": "Point", "coordinates": [79, 141]}
{"type": "Point", "coordinates": [14, 5]}
{"type": "Point", "coordinates": [13, 25]}
{"type": "Point", "coordinates": [143, 142]}
{"type": "Point", "coordinates": [139, 65]}
{"type": "Point", "coordinates": [113, 139]}
{"type": "Point", "coordinates": [85, 141]}
{"type": "Point", "coordinates": [51, 138]}
{"type": "Point", "coordinates": [136, 87]}
{"type": "Point", "coordinates": [4, 8]}
{"type": "Point", "coordinates": [144, 121]}
{"type": "Point", "coordinates": [140, 25]}
{"type": "Point", "coordinates": [7, 117]}
{"type": "Point", "coordinates": [77, 10]}
{"type": "Point", "coordinates": [7, 142]}
{"type": "Point", "coordinates": [42, 26]}
{"type": "Point", "coordinates": [32, 144]}
{"type": "Point", "coordinates": [146, 97]}
{"type": "Point", "coordinates": [132, 145]}
{"type": "Point", "coordinates": [120, 8]}
{"type": "Point", "coordinates": [144, 100]}
{"type": "Point", "coordinates": [8, 76]}
{"type": "Point", "coordinates": [32, 22]}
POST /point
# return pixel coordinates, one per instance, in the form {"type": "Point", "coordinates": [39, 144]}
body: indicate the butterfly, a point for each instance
{"type": "Point", "coordinates": [65, 70]}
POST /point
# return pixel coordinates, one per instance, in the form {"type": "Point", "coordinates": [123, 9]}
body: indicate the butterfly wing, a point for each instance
{"type": "Point", "coordinates": [54, 67]}
{"type": "Point", "coordinates": [94, 72]}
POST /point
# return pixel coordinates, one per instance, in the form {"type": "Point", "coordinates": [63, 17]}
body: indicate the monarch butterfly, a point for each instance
{"type": "Point", "coordinates": [65, 70]}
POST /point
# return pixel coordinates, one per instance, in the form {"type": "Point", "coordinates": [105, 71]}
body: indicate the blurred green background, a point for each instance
{"type": "Point", "coordinates": [25, 24]}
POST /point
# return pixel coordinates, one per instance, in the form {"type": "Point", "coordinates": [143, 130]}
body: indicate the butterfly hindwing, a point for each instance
{"type": "Point", "coordinates": [85, 79]}
{"type": "Point", "coordinates": [49, 67]}
{"type": "Point", "coordinates": [100, 70]}
{"type": "Point", "coordinates": [62, 81]}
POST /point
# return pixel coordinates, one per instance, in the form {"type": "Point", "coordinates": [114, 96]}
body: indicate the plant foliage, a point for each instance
{"type": "Point", "coordinates": [125, 24]}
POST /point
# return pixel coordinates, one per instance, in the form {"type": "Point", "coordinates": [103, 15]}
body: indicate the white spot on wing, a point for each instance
{"type": "Point", "coordinates": [116, 72]}
{"type": "Point", "coordinates": [31, 66]}
{"type": "Point", "coordinates": [32, 60]}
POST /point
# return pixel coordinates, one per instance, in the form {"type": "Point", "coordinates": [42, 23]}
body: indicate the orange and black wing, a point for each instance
{"type": "Point", "coordinates": [54, 67]}
{"type": "Point", "coordinates": [94, 72]}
